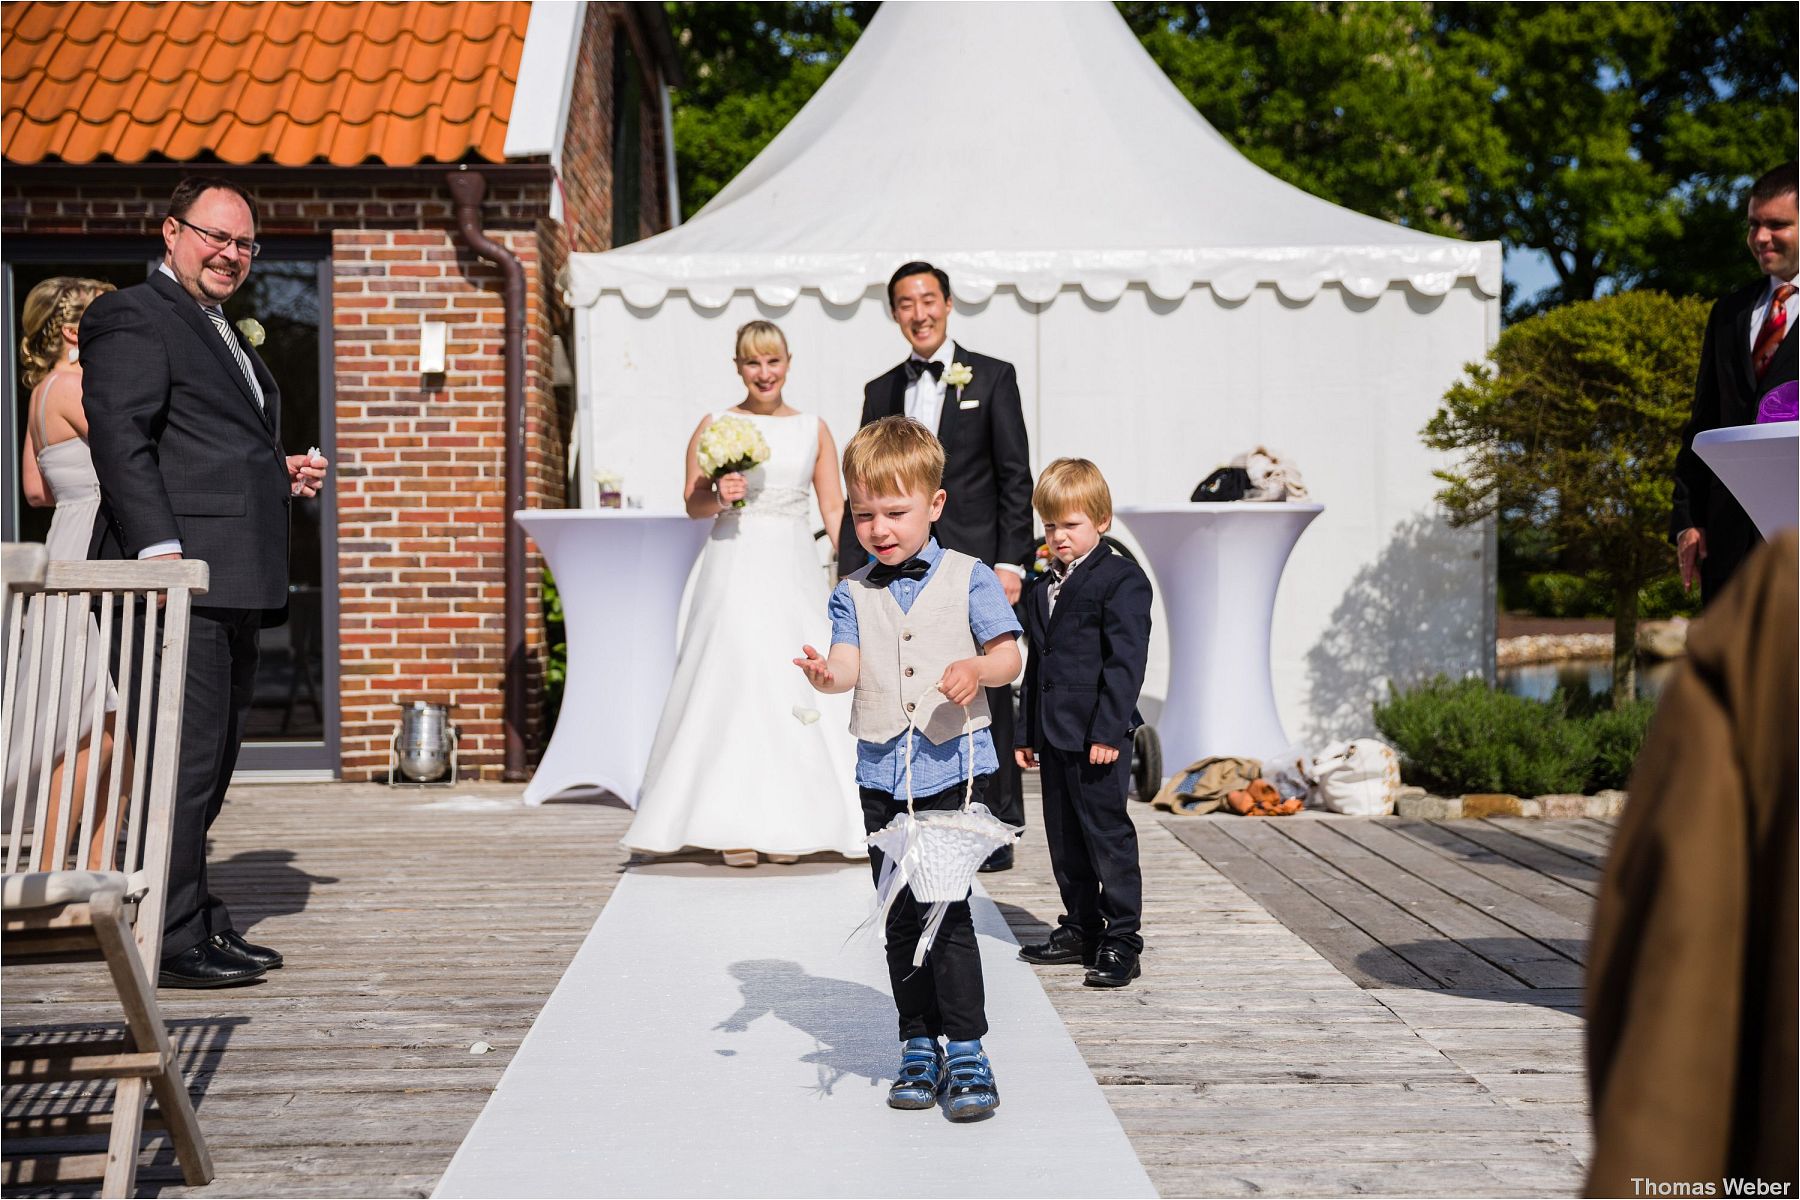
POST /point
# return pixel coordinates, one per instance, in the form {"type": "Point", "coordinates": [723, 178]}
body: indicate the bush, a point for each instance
{"type": "Point", "coordinates": [1559, 594]}
{"type": "Point", "coordinates": [1462, 736]}
{"type": "Point", "coordinates": [1665, 597]}
{"type": "Point", "coordinates": [556, 657]}
{"type": "Point", "coordinates": [1617, 735]}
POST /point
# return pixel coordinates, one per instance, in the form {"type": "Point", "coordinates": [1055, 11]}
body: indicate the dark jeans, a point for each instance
{"type": "Point", "coordinates": [221, 678]}
{"type": "Point", "coordinates": [1093, 846]}
{"type": "Point", "coordinates": [944, 997]}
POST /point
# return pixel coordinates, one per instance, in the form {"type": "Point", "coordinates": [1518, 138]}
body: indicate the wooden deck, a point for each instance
{"type": "Point", "coordinates": [416, 923]}
{"type": "Point", "coordinates": [1253, 1059]}
{"type": "Point", "coordinates": [1247, 1060]}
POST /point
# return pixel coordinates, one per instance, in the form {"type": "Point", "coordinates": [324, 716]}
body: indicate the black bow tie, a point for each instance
{"type": "Point", "coordinates": [913, 568]}
{"type": "Point", "coordinates": [916, 367]}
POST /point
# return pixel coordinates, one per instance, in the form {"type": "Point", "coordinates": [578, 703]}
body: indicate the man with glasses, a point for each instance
{"type": "Point", "coordinates": [184, 421]}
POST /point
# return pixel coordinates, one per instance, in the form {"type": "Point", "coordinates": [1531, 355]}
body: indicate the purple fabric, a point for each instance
{"type": "Point", "coordinates": [1778, 403]}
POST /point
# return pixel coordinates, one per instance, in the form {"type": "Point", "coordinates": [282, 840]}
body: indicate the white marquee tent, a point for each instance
{"type": "Point", "coordinates": [1167, 303]}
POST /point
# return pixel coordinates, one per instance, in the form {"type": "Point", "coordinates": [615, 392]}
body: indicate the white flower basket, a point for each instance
{"type": "Point", "coordinates": [936, 854]}
{"type": "Point", "coordinates": [943, 850]}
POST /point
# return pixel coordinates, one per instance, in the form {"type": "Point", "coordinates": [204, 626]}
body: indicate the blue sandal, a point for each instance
{"type": "Point", "coordinates": [921, 1075]}
{"type": "Point", "coordinates": [969, 1092]}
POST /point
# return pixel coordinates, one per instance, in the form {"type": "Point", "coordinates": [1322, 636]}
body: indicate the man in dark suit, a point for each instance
{"type": "Point", "coordinates": [972, 403]}
{"type": "Point", "coordinates": [1748, 351]}
{"type": "Point", "coordinates": [184, 423]}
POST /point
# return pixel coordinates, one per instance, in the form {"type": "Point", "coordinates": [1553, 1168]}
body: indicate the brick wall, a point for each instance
{"type": "Point", "coordinates": [420, 468]}
{"type": "Point", "coordinates": [587, 150]}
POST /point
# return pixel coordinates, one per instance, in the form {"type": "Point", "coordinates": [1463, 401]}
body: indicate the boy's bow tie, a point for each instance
{"type": "Point", "coordinates": [912, 568]}
{"type": "Point", "coordinates": [916, 367]}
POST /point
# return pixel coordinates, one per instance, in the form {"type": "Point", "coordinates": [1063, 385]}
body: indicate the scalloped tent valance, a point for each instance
{"type": "Point", "coordinates": [1056, 145]}
{"type": "Point", "coordinates": [1297, 272]}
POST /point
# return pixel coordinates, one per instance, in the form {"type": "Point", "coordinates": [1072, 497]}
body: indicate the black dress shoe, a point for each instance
{"type": "Point", "coordinates": [206, 966]}
{"type": "Point", "coordinates": [234, 941]}
{"type": "Point", "coordinates": [999, 860]}
{"type": "Point", "coordinates": [1113, 967]}
{"type": "Point", "coordinates": [1064, 946]}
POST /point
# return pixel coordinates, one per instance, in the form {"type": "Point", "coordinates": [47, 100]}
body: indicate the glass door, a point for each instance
{"type": "Point", "coordinates": [293, 730]}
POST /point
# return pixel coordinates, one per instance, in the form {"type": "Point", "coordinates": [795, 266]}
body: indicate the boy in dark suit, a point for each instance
{"type": "Point", "coordinates": [1088, 623]}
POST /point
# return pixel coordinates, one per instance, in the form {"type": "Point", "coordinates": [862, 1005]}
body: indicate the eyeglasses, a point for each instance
{"type": "Point", "coordinates": [218, 239]}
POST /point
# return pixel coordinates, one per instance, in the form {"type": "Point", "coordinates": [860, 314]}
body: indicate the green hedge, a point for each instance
{"type": "Point", "coordinates": [1560, 594]}
{"type": "Point", "coordinates": [1462, 736]}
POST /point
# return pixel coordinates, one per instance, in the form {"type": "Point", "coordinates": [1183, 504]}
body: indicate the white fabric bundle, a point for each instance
{"type": "Point", "coordinates": [1271, 477]}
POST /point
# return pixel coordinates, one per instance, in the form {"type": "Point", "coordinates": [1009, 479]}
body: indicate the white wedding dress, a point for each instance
{"type": "Point", "coordinates": [733, 766]}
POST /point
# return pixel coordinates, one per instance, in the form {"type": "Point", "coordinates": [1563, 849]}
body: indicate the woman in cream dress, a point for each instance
{"type": "Point", "coordinates": [57, 470]}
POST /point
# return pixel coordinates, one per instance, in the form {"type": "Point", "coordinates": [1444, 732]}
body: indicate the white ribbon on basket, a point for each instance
{"type": "Point", "coordinates": [936, 854]}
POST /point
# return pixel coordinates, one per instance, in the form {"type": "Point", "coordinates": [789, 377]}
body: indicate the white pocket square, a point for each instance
{"type": "Point", "coordinates": [968, 404]}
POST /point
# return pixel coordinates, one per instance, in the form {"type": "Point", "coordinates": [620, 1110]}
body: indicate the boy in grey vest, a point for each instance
{"type": "Point", "coordinates": [919, 633]}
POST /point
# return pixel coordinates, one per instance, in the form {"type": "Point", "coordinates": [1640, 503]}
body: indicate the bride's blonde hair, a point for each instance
{"type": "Point", "coordinates": [760, 337]}
{"type": "Point", "coordinates": [58, 301]}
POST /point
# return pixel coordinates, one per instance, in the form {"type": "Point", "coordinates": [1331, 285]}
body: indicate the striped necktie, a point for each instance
{"type": "Point", "coordinates": [1768, 340]}
{"type": "Point", "coordinates": [237, 352]}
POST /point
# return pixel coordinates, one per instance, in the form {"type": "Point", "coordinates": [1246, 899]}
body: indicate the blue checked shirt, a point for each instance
{"type": "Point", "coordinates": [882, 765]}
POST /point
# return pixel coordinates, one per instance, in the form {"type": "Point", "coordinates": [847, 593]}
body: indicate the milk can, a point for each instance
{"type": "Point", "coordinates": [426, 741]}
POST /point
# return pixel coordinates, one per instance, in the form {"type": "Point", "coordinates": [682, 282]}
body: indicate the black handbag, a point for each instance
{"type": "Point", "coordinates": [1226, 483]}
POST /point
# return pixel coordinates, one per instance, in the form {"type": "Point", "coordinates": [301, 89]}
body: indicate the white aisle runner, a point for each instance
{"type": "Point", "coordinates": [717, 1035]}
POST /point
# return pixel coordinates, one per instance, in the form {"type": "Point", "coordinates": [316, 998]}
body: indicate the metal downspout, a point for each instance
{"type": "Point", "coordinates": [468, 189]}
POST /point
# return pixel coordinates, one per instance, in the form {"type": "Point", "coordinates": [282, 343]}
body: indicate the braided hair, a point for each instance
{"type": "Point", "coordinates": [52, 304]}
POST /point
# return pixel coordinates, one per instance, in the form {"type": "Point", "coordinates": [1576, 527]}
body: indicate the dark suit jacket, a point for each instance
{"type": "Point", "coordinates": [987, 467]}
{"type": "Point", "coordinates": [1087, 660]}
{"type": "Point", "coordinates": [1726, 393]}
{"type": "Point", "coordinates": [181, 449]}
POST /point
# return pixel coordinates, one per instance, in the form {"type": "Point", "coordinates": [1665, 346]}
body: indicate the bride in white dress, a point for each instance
{"type": "Point", "coordinates": [747, 757]}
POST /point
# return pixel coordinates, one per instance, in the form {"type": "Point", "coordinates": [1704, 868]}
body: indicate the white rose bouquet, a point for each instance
{"type": "Point", "coordinates": [731, 444]}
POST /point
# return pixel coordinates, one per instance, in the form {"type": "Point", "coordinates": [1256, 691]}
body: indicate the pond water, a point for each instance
{"type": "Point", "coordinates": [1536, 681]}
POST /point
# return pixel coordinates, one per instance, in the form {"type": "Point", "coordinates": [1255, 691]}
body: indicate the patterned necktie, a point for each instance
{"type": "Point", "coordinates": [237, 352]}
{"type": "Point", "coordinates": [1774, 325]}
{"type": "Point", "coordinates": [1059, 575]}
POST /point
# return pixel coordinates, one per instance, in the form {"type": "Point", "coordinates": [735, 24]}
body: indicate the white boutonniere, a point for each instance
{"type": "Point", "coordinates": [253, 331]}
{"type": "Point", "coordinates": [960, 375]}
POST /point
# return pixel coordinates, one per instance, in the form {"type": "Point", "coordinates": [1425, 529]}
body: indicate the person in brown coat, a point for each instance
{"type": "Point", "coordinates": [1692, 974]}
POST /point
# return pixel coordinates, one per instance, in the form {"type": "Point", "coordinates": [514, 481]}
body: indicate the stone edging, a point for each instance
{"type": "Point", "coordinates": [1417, 804]}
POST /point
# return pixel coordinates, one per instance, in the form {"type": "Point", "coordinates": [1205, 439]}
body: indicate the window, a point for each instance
{"type": "Point", "coordinates": [627, 140]}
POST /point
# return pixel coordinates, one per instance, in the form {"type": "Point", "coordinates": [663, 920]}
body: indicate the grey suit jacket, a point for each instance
{"type": "Point", "coordinates": [180, 446]}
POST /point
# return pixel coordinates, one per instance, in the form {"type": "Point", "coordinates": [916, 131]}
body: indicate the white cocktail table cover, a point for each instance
{"type": "Point", "coordinates": [620, 574]}
{"type": "Point", "coordinates": [1759, 464]}
{"type": "Point", "coordinates": [1217, 568]}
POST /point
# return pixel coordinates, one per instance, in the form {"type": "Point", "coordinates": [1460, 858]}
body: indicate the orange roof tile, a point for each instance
{"type": "Point", "coordinates": [292, 83]}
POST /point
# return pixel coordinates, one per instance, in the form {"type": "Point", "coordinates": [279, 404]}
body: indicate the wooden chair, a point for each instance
{"type": "Point", "coordinates": [86, 874]}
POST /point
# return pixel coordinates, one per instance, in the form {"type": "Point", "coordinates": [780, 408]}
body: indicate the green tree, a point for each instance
{"type": "Point", "coordinates": [1571, 426]}
{"type": "Point", "coordinates": [750, 67]}
{"type": "Point", "coordinates": [1618, 138]}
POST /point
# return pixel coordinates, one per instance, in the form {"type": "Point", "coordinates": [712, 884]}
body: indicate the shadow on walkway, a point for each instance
{"type": "Point", "coordinates": [259, 884]}
{"type": "Point", "coordinates": [843, 1018]}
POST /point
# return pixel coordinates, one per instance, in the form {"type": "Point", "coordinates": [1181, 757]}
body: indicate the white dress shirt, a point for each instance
{"type": "Point", "coordinates": [1760, 313]}
{"type": "Point", "coordinates": [925, 404]}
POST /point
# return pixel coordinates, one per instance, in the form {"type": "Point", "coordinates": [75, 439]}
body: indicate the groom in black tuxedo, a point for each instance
{"type": "Point", "coordinates": [184, 422]}
{"type": "Point", "coordinates": [972, 403]}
